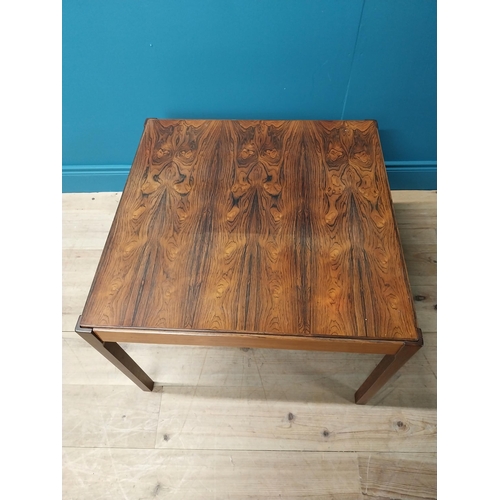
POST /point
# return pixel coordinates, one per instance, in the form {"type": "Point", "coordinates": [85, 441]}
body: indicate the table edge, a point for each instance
{"type": "Point", "coordinates": [202, 332]}
{"type": "Point", "coordinates": [250, 340]}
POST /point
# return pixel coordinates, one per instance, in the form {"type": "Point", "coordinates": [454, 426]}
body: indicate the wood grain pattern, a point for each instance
{"type": "Point", "coordinates": [304, 418]}
{"type": "Point", "coordinates": [408, 476]}
{"type": "Point", "coordinates": [282, 228]}
{"type": "Point", "coordinates": [99, 474]}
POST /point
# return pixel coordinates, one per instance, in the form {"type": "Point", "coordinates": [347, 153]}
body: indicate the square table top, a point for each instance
{"type": "Point", "coordinates": [256, 227]}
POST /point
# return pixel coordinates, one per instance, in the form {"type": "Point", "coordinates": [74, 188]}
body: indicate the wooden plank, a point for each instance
{"type": "Point", "coordinates": [308, 417]}
{"type": "Point", "coordinates": [428, 278]}
{"type": "Point", "coordinates": [408, 212]}
{"type": "Point", "coordinates": [85, 202]}
{"type": "Point", "coordinates": [421, 272]}
{"type": "Point", "coordinates": [85, 236]}
{"type": "Point", "coordinates": [141, 474]}
{"type": "Point", "coordinates": [409, 476]}
{"type": "Point", "coordinates": [423, 236]}
{"type": "Point", "coordinates": [421, 260]}
{"type": "Point", "coordinates": [425, 298]}
{"type": "Point", "coordinates": [79, 266]}
{"type": "Point", "coordinates": [412, 218]}
{"type": "Point", "coordinates": [417, 197]}
{"type": "Point", "coordinates": [86, 219]}
{"type": "Point", "coordinates": [421, 252]}
{"type": "Point", "coordinates": [109, 416]}
{"type": "Point", "coordinates": [430, 352]}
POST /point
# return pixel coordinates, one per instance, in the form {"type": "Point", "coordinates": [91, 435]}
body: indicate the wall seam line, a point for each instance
{"type": "Point", "coordinates": [352, 60]}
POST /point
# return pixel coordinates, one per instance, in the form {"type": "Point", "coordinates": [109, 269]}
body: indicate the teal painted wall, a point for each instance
{"type": "Point", "coordinates": [127, 60]}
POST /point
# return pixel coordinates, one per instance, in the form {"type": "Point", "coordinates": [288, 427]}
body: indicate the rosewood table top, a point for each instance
{"type": "Point", "coordinates": [275, 234]}
{"type": "Point", "coordinates": [267, 227]}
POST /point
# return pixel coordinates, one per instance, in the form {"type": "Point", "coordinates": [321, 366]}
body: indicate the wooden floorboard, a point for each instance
{"type": "Point", "coordinates": [100, 474]}
{"type": "Point", "coordinates": [109, 416]}
{"type": "Point", "coordinates": [411, 476]}
{"type": "Point", "coordinates": [238, 423]}
{"type": "Point", "coordinates": [262, 418]}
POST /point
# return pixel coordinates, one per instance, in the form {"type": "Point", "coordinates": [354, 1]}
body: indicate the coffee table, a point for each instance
{"type": "Point", "coordinates": [263, 234]}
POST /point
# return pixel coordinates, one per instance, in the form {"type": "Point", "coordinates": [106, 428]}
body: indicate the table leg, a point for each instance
{"type": "Point", "coordinates": [388, 367]}
{"type": "Point", "coordinates": [114, 353]}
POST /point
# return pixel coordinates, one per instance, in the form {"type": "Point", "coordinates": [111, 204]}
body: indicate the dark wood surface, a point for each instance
{"type": "Point", "coordinates": [263, 341]}
{"type": "Point", "coordinates": [283, 228]}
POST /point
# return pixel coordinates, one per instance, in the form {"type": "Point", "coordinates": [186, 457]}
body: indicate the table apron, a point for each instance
{"type": "Point", "coordinates": [250, 340]}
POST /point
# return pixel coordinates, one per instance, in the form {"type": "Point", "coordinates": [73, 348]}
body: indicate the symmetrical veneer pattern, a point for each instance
{"type": "Point", "coordinates": [267, 227]}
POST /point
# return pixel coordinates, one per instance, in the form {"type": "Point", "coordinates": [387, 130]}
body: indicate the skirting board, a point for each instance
{"type": "Point", "coordinates": [420, 175]}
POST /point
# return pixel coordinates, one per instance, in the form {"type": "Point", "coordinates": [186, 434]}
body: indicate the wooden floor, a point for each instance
{"type": "Point", "coordinates": [245, 423]}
